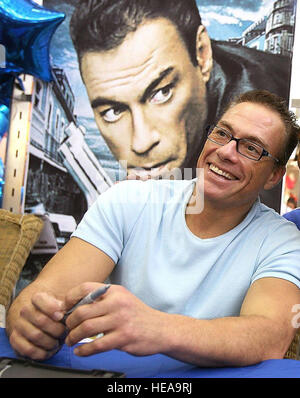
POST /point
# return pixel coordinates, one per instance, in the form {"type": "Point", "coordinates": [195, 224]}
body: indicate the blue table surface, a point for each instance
{"type": "Point", "coordinates": [160, 366]}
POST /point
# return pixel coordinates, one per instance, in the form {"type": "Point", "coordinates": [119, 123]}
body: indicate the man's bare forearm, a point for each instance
{"type": "Point", "coordinates": [231, 341]}
{"type": "Point", "coordinates": [130, 325]}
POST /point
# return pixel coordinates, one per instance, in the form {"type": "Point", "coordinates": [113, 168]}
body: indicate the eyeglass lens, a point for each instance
{"type": "Point", "coordinates": [244, 147]}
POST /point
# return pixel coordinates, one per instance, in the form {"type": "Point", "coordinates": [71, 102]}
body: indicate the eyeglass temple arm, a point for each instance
{"type": "Point", "coordinates": [265, 153]}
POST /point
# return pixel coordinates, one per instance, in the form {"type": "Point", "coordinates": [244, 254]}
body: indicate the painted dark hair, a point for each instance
{"type": "Point", "coordinates": [101, 25]}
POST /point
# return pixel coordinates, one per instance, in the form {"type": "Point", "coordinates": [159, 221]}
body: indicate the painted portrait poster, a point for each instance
{"type": "Point", "coordinates": [145, 103]}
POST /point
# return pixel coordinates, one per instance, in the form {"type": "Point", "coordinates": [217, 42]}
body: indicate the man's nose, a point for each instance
{"type": "Point", "coordinates": [228, 151]}
{"type": "Point", "coordinates": [145, 135]}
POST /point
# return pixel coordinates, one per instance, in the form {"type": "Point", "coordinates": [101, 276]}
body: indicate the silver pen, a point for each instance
{"type": "Point", "coordinates": [88, 299]}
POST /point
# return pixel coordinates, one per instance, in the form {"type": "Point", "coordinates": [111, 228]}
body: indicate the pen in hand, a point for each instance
{"type": "Point", "coordinates": [88, 299]}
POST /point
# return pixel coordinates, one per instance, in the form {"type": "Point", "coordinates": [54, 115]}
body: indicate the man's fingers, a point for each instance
{"type": "Point", "coordinates": [43, 322]}
{"type": "Point", "coordinates": [49, 305]}
{"type": "Point", "coordinates": [89, 328]}
{"type": "Point", "coordinates": [26, 348]}
{"type": "Point", "coordinates": [37, 336]}
{"type": "Point", "coordinates": [107, 342]}
{"type": "Point", "coordinates": [79, 292]}
{"type": "Point", "coordinates": [85, 312]}
{"type": "Point", "coordinates": [38, 329]}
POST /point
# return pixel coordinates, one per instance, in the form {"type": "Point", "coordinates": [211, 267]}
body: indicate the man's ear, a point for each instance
{"type": "Point", "coordinates": [204, 52]}
{"type": "Point", "coordinates": [275, 177]}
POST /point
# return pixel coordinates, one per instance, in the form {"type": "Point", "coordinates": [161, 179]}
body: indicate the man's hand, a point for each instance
{"type": "Point", "coordinates": [127, 323]}
{"type": "Point", "coordinates": [33, 321]}
{"type": "Point", "coordinates": [36, 331]}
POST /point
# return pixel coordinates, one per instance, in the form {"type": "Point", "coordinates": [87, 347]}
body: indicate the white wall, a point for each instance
{"type": "Point", "coordinates": [295, 79]}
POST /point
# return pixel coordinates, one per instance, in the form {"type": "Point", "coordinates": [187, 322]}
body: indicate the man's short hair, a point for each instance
{"type": "Point", "coordinates": [101, 25]}
{"type": "Point", "coordinates": [279, 105]}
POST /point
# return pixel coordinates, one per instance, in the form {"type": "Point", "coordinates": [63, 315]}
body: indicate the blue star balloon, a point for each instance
{"type": "Point", "coordinates": [6, 86]}
{"type": "Point", "coordinates": [25, 32]}
{"type": "Point", "coordinates": [4, 119]}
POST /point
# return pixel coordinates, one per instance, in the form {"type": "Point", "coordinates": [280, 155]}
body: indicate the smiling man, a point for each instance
{"type": "Point", "coordinates": [214, 287]}
{"type": "Point", "coordinates": [155, 80]}
{"type": "Point", "coordinates": [247, 131]}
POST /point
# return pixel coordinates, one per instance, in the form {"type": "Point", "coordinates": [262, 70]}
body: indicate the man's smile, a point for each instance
{"type": "Point", "coordinates": [215, 169]}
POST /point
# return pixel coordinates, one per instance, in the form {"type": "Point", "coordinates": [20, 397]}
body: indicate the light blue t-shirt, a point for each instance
{"type": "Point", "coordinates": [142, 227]}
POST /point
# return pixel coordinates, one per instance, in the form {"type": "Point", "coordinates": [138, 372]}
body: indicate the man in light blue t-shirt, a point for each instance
{"type": "Point", "coordinates": [200, 270]}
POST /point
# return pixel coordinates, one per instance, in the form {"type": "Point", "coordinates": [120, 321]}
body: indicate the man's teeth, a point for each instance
{"type": "Point", "coordinates": [221, 172]}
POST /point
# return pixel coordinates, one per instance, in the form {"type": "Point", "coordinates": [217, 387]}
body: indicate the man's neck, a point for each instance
{"type": "Point", "coordinates": [214, 220]}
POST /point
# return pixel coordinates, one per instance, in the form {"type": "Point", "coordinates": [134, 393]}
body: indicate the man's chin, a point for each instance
{"type": "Point", "coordinates": [161, 172]}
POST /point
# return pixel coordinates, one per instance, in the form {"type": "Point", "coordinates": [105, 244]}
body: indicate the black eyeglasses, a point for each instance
{"type": "Point", "coordinates": [247, 148]}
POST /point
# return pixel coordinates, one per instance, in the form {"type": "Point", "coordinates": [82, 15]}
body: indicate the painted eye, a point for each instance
{"type": "Point", "coordinates": [112, 115]}
{"type": "Point", "coordinates": [162, 95]}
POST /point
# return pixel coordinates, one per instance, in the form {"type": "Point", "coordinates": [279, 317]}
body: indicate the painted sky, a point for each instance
{"type": "Point", "coordinates": [228, 19]}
